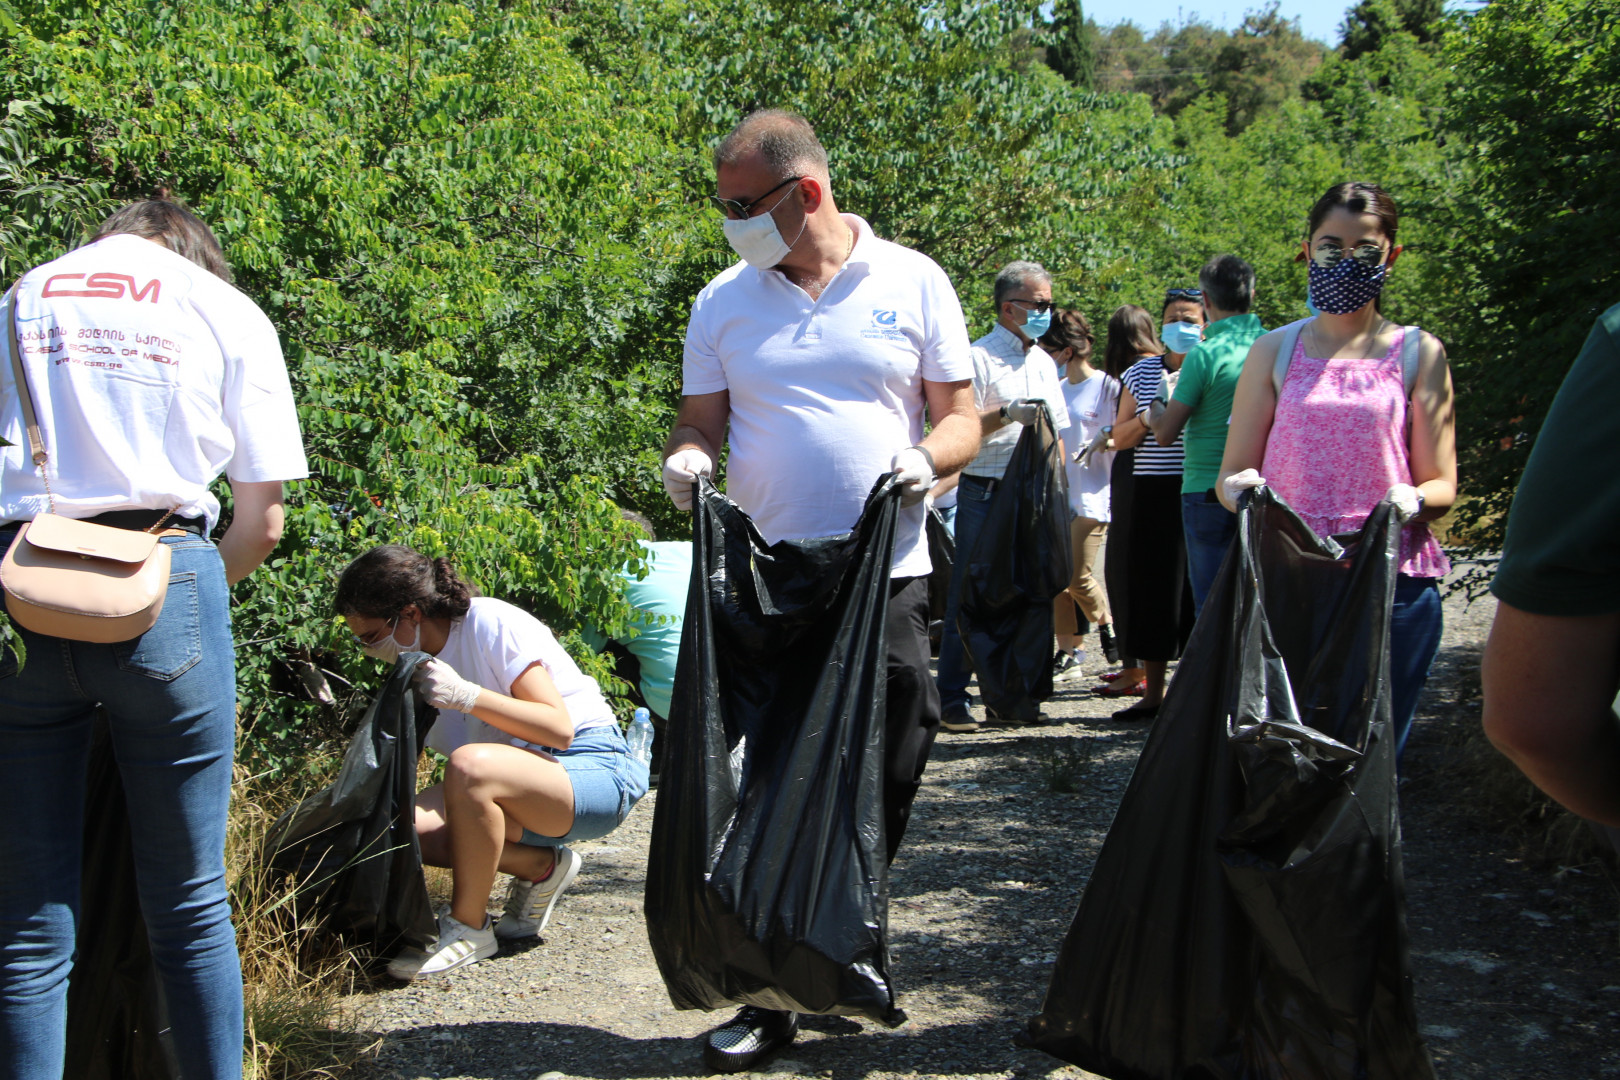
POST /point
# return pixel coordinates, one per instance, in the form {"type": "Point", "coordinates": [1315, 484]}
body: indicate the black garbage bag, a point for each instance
{"type": "Point", "coordinates": [1246, 918]}
{"type": "Point", "coordinates": [767, 881]}
{"type": "Point", "coordinates": [352, 848]}
{"type": "Point", "coordinates": [117, 1026]}
{"type": "Point", "coordinates": [1020, 561]}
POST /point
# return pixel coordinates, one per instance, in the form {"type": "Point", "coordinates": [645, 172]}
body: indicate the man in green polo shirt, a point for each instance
{"type": "Point", "coordinates": [1552, 664]}
{"type": "Point", "coordinates": [1200, 399]}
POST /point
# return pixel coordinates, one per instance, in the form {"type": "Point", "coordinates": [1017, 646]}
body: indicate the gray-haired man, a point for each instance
{"type": "Point", "coordinates": [814, 359]}
{"type": "Point", "coordinates": [1011, 374]}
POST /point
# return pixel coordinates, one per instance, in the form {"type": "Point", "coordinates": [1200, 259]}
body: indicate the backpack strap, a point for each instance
{"type": "Point", "coordinates": [1285, 354]}
{"type": "Point", "coordinates": [1411, 346]}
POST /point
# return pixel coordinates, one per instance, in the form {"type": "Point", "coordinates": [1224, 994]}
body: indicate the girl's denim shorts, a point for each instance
{"type": "Point", "coordinates": [607, 783]}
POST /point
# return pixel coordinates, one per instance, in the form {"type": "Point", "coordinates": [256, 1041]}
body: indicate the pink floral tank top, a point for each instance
{"type": "Point", "coordinates": [1338, 443]}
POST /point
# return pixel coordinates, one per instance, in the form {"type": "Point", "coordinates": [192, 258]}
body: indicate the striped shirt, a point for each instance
{"type": "Point", "coordinates": [1142, 379]}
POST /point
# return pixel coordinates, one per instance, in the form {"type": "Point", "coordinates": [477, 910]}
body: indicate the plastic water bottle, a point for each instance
{"type": "Point", "coordinates": [640, 736]}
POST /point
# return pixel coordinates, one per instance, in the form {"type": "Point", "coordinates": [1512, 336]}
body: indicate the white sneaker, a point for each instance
{"type": "Point", "coordinates": [1066, 666]}
{"type": "Point", "coordinates": [458, 946]}
{"type": "Point", "coordinates": [529, 903]}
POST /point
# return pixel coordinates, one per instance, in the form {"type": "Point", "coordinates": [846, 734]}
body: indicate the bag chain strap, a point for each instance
{"type": "Point", "coordinates": [36, 438]}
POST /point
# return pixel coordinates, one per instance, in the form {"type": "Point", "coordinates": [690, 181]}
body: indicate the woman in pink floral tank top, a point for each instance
{"type": "Point", "coordinates": [1343, 434]}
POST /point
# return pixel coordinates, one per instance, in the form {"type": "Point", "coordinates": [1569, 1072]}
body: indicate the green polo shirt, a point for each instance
{"type": "Point", "coordinates": [1209, 378]}
{"type": "Point", "coordinates": [1562, 554]}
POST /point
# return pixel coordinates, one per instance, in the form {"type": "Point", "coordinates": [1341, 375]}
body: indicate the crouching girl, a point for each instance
{"type": "Point", "coordinates": [536, 758]}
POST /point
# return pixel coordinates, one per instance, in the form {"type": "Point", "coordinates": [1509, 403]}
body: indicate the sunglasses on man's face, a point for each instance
{"type": "Point", "coordinates": [1328, 254]}
{"type": "Point", "coordinates": [738, 210]}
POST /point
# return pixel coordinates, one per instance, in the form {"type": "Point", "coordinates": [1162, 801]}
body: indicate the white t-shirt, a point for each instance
{"type": "Point", "coordinates": [823, 393]}
{"type": "Point", "coordinates": [150, 377]}
{"type": "Point", "coordinates": [1003, 372]}
{"type": "Point", "coordinates": [1092, 403]}
{"type": "Point", "coordinates": [492, 645]}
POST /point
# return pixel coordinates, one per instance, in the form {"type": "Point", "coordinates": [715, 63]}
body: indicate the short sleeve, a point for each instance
{"type": "Point", "coordinates": [1136, 381]}
{"type": "Point", "coordinates": [946, 349]}
{"type": "Point", "coordinates": [1194, 377]}
{"type": "Point", "coordinates": [1055, 399]}
{"type": "Point", "coordinates": [258, 403]}
{"type": "Point", "coordinates": [980, 366]}
{"type": "Point", "coordinates": [510, 641]}
{"type": "Point", "coordinates": [701, 369]}
{"type": "Point", "coordinates": [1562, 554]}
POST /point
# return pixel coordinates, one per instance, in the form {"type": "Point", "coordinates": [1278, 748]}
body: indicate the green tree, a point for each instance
{"type": "Point", "coordinates": [1262, 65]}
{"type": "Point", "coordinates": [1535, 118]}
{"type": "Point", "coordinates": [1071, 48]}
{"type": "Point", "coordinates": [1369, 24]}
{"type": "Point", "coordinates": [428, 202]}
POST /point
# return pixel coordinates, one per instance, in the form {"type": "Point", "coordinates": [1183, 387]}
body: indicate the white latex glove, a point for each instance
{"type": "Point", "coordinates": [1240, 482]}
{"type": "Point", "coordinates": [438, 682]}
{"type": "Point", "coordinates": [1022, 411]}
{"type": "Point", "coordinates": [910, 466]}
{"type": "Point", "coordinates": [1167, 388]}
{"type": "Point", "coordinates": [681, 471]}
{"type": "Point", "coordinates": [1405, 498]}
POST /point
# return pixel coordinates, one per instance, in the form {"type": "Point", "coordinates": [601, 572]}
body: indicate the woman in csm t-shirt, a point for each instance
{"type": "Point", "coordinates": [151, 377]}
{"type": "Point", "coordinates": [535, 756]}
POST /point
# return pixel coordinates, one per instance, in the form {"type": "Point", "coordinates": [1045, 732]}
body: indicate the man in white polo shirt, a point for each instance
{"type": "Point", "coordinates": [1011, 374]}
{"type": "Point", "coordinates": [821, 350]}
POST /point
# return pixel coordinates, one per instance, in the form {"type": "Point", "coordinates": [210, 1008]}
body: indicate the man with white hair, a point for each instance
{"type": "Point", "coordinates": [1011, 377]}
{"type": "Point", "coordinates": [820, 350]}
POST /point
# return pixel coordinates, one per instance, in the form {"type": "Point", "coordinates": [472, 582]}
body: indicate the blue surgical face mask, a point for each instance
{"type": "Point", "coordinates": [1181, 337]}
{"type": "Point", "coordinates": [1310, 305]}
{"type": "Point", "coordinates": [1037, 323]}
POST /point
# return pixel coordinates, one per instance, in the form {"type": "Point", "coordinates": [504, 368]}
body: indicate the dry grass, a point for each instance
{"type": "Point", "coordinates": [294, 978]}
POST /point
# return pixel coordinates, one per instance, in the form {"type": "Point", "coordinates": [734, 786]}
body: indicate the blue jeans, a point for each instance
{"type": "Point", "coordinates": [606, 780]}
{"type": "Point", "coordinates": [1209, 528]}
{"type": "Point", "coordinates": [1414, 638]}
{"type": "Point", "coordinates": [972, 510]}
{"type": "Point", "coordinates": [171, 699]}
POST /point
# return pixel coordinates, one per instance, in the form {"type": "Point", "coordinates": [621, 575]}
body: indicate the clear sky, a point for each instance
{"type": "Point", "coordinates": [1319, 20]}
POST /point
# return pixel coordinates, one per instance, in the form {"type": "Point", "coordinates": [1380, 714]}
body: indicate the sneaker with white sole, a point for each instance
{"type": "Point", "coordinates": [1066, 666]}
{"type": "Point", "coordinates": [957, 718]}
{"type": "Point", "coordinates": [529, 903]}
{"type": "Point", "coordinates": [749, 1037]}
{"type": "Point", "coordinates": [458, 946]}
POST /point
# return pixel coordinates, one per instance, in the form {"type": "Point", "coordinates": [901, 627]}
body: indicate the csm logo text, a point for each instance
{"type": "Point", "coordinates": [102, 286]}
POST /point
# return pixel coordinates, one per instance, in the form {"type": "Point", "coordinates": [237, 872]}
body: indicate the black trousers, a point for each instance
{"type": "Point", "coordinates": [912, 719]}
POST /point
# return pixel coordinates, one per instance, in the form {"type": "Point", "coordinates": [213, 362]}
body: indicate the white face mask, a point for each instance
{"type": "Point", "coordinates": [388, 648]}
{"type": "Point", "coordinates": [757, 241]}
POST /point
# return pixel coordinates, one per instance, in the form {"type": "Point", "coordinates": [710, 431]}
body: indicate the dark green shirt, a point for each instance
{"type": "Point", "coordinates": [1562, 555]}
{"type": "Point", "coordinates": [1209, 377]}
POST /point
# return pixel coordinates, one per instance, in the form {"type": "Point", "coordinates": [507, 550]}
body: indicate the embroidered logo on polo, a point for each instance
{"type": "Point", "coordinates": [885, 326]}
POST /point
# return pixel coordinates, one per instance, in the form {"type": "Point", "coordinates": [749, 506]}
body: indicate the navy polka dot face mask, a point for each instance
{"type": "Point", "coordinates": [1348, 285]}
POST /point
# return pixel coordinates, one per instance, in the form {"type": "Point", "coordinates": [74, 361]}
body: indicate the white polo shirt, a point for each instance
{"type": "Point", "coordinates": [150, 376]}
{"type": "Point", "coordinates": [1002, 373]}
{"type": "Point", "coordinates": [824, 392]}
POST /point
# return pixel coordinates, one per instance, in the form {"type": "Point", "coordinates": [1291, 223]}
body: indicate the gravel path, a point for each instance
{"type": "Point", "coordinates": [1515, 966]}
